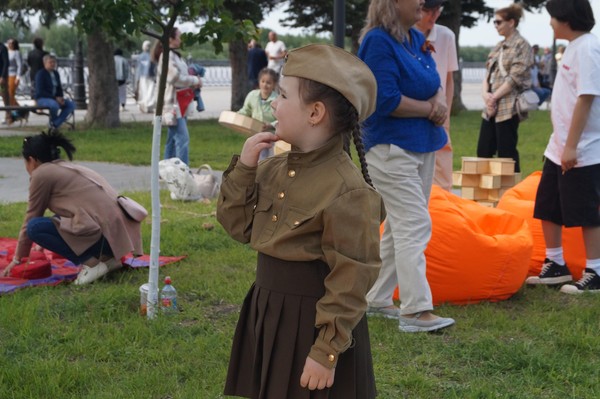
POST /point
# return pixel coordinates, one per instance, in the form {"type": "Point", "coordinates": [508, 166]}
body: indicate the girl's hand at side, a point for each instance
{"type": "Point", "coordinates": [254, 145]}
{"type": "Point", "coordinates": [315, 376]}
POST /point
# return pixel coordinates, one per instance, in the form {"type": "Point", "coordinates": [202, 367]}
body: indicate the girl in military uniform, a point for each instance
{"type": "Point", "coordinates": [314, 219]}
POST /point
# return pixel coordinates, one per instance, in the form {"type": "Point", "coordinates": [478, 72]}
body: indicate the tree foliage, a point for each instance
{"type": "Point", "coordinates": [104, 21]}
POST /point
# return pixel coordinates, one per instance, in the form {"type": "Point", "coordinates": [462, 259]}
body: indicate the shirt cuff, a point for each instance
{"type": "Point", "coordinates": [324, 354]}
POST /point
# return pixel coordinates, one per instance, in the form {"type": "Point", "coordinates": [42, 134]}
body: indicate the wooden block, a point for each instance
{"type": "Point", "coordinates": [489, 204]}
{"type": "Point", "coordinates": [474, 193]}
{"type": "Point", "coordinates": [281, 147]}
{"type": "Point", "coordinates": [456, 179]}
{"type": "Point", "coordinates": [502, 166]}
{"type": "Point", "coordinates": [510, 180]}
{"type": "Point", "coordinates": [496, 194]}
{"type": "Point", "coordinates": [490, 181]}
{"type": "Point", "coordinates": [240, 123]}
{"type": "Point", "coordinates": [465, 180]}
{"type": "Point", "coordinates": [472, 165]}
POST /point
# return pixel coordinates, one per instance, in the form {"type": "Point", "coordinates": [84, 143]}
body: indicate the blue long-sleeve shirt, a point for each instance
{"type": "Point", "coordinates": [401, 69]}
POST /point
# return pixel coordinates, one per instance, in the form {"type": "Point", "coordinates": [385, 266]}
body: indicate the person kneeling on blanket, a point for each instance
{"type": "Point", "coordinates": [88, 227]}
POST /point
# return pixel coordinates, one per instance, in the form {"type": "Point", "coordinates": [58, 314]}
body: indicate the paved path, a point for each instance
{"type": "Point", "coordinates": [14, 181]}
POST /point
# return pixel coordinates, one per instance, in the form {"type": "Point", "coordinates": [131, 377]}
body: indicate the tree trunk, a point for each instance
{"type": "Point", "coordinates": [454, 12]}
{"type": "Point", "coordinates": [103, 106]}
{"type": "Point", "coordinates": [238, 58]}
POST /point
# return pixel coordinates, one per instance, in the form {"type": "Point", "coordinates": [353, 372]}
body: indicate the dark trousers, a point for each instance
{"type": "Point", "coordinates": [43, 232]}
{"type": "Point", "coordinates": [499, 139]}
{"type": "Point", "coordinates": [5, 98]}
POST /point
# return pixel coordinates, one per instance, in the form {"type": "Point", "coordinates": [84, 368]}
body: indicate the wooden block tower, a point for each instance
{"type": "Point", "coordinates": [485, 179]}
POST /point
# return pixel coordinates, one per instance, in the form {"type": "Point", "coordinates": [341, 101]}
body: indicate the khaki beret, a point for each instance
{"type": "Point", "coordinates": [337, 69]}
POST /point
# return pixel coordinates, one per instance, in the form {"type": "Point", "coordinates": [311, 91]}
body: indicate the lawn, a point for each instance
{"type": "Point", "coordinates": [90, 342]}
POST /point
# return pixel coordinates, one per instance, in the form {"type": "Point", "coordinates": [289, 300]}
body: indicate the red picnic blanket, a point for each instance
{"type": "Point", "coordinates": [63, 270]}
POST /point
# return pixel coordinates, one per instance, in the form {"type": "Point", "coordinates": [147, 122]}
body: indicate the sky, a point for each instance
{"type": "Point", "coordinates": [535, 27]}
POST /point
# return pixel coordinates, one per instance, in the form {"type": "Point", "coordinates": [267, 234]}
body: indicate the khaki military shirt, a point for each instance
{"type": "Point", "coordinates": [311, 206]}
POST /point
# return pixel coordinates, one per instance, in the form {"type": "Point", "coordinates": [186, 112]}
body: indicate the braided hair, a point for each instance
{"type": "Point", "coordinates": [45, 146]}
{"type": "Point", "coordinates": [344, 118]}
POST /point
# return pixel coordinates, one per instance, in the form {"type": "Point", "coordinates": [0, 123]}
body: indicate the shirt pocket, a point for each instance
{"type": "Point", "coordinates": [263, 223]}
{"type": "Point", "coordinates": [297, 217]}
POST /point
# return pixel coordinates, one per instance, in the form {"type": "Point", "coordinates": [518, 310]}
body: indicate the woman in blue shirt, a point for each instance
{"type": "Point", "coordinates": [401, 138]}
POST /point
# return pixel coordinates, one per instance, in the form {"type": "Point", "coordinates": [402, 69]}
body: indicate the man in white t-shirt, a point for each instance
{"type": "Point", "coordinates": [569, 190]}
{"type": "Point", "coordinates": [446, 59]}
{"type": "Point", "coordinates": [276, 52]}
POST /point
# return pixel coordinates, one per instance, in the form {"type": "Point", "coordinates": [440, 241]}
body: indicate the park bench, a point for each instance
{"type": "Point", "coordinates": [38, 111]}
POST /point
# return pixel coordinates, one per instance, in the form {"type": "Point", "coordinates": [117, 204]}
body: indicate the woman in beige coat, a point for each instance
{"type": "Point", "coordinates": [88, 225]}
{"type": "Point", "coordinates": [178, 78]}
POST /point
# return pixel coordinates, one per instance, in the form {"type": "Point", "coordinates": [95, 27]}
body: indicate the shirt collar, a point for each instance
{"type": "Point", "coordinates": [332, 148]}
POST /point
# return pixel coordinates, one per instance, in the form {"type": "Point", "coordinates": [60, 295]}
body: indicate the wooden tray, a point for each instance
{"type": "Point", "coordinates": [240, 123]}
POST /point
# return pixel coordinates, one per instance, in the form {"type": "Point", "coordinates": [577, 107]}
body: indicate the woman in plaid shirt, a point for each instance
{"type": "Point", "coordinates": [508, 73]}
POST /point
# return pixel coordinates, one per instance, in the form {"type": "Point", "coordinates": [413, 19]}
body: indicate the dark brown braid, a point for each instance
{"type": "Point", "coordinates": [344, 118]}
{"type": "Point", "coordinates": [360, 149]}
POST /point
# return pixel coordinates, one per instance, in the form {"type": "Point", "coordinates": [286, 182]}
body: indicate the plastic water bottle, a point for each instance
{"type": "Point", "coordinates": [168, 297]}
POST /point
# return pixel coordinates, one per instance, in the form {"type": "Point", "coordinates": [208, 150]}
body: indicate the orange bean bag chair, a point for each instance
{"type": "Point", "coordinates": [475, 253]}
{"type": "Point", "coordinates": [520, 200]}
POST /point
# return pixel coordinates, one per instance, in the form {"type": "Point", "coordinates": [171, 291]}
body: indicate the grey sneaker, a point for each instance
{"type": "Point", "coordinates": [413, 324]}
{"type": "Point", "coordinates": [388, 313]}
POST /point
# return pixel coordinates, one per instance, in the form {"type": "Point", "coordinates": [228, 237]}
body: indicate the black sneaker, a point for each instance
{"type": "Point", "coordinates": [552, 274]}
{"type": "Point", "coordinates": [589, 282]}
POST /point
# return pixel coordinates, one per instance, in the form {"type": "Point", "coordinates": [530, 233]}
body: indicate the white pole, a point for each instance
{"type": "Point", "coordinates": [152, 301]}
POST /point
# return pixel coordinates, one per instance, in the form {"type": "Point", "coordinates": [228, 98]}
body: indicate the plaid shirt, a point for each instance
{"type": "Point", "coordinates": [517, 59]}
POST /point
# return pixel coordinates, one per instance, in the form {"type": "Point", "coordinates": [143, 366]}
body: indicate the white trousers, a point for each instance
{"type": "Point", "coordinates": [146, 94]}
{"type": "Point", "coordinates": [443, 165]}
{"type": "Point", "coordinates": [403, 178]}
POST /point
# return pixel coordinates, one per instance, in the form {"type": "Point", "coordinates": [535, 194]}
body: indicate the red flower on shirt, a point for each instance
{"type": "Point", "coordinates": [427, 47]}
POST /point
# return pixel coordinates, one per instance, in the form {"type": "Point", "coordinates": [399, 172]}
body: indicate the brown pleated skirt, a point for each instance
{"type": "Point", "coordinates": [276, 330]}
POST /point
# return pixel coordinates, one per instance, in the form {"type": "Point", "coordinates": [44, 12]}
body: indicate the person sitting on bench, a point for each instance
{"type": "Point", "coordinates": [49, 93]}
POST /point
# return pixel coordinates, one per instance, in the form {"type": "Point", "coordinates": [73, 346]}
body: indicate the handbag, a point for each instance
{"type": "Point", "coordinates": [32, 270]}
{"type": "Point", "coordinates": [186, 185]}
{"type": "Point", "coordinates": [132, 209]}
{"type": "Point", "coordinates": [184, 98]}
{"type": "Point", "coordinates": [527, 100]}
{"type": "Point", "coordinates": [207, 182]}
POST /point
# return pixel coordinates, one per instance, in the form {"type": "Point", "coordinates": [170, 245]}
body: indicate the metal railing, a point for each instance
{"type": "Point", "coordinates": [218, 73]}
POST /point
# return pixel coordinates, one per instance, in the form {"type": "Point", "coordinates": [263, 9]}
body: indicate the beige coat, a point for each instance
{"type": "Point", "coordinates": [86, 206]}
{"type": "Point", "coordinates": [177, 78]}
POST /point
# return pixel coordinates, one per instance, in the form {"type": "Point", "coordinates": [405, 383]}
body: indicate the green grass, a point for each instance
{"type": "Point", "coordinates": [90, 342]}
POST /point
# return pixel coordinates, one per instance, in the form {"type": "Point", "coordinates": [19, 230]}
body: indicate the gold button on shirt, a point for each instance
{"type": "Point", "coordinates": [329, 213]}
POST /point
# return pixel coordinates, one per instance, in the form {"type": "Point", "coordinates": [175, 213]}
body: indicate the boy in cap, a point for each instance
{"type": "Point", "coordinates": [314, 220]}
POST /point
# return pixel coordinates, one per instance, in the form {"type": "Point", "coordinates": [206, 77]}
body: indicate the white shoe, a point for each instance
{"type": "Point", "coordinates": [89, 274]}
{"type": "Point", "coordinates": [414, 324]}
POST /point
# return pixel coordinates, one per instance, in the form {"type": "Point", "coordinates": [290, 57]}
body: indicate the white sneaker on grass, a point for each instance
{"type": "Point", "coordinates": [89, 274]}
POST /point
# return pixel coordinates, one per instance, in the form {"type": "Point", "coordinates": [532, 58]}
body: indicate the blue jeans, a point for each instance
{"type": "Point", "coordinates": [66, 110]}
{"type": "Point", "coordinates": [43, 232]}
{"type": "Point", "coordinates": [178, 141]}
{"type": "Point", "coordinates": [543, 93]}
